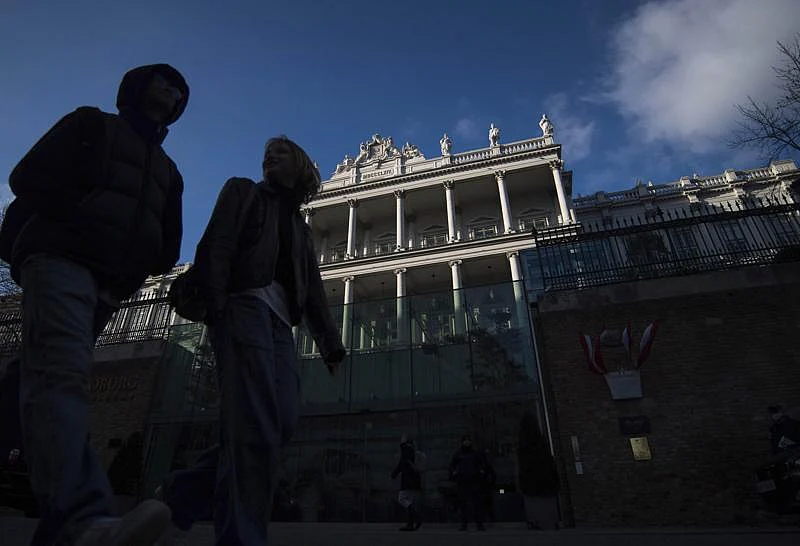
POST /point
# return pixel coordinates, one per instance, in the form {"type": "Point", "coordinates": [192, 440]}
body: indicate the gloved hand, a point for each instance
{"type": "Point", "coordinates": [334, 358]}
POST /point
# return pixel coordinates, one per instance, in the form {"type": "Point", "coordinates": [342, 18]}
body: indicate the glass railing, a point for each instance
{"type": "Point", "coordinates": [414, 365]}
{"type": "Point", "coordinates": [422, 347]}
{"type": "Point", "coordinates": [426, 346]}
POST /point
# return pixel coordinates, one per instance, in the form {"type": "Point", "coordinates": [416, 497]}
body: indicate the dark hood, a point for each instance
{"type": "Point", "coordinates": [131, 88]}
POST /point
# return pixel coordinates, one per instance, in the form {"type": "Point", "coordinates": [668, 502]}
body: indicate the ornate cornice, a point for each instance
{"type": "Point", "coordinates": [437, 172]}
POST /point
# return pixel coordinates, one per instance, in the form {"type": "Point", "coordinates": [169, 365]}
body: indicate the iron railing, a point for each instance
{"type": "Point", "coordinates": [141, 318]}
{"type": "Point", "coordinates": [695, 239]}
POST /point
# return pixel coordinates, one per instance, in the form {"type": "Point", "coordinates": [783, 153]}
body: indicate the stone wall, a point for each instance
{"type": "Point", "coordinates": [726, 349]}
{"type": "Point", "coordinates": [121, 390]}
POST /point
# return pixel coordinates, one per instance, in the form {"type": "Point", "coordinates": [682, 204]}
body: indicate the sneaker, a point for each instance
{"type": "Point", "coordinates": [142, 526]}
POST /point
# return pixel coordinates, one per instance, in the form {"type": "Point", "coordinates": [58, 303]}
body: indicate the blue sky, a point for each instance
{"type": "Point", "coordinates": [635, 89]}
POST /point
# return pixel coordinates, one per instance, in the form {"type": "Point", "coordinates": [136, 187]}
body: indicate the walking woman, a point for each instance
{"type": "Point", "coordinates": [256, 269]}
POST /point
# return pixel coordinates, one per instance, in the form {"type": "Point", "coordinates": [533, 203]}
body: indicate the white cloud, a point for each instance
{"type": "Point", "coordinates": [680, 66]}
{"type": "Point", "coordinates": [466, 128]}
{"type": "Point", "coordinates": [574, 135]}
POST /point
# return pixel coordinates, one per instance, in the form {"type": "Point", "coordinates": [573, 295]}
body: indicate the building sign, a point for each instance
{"type": "Point", "coordinates": [113, 388]}
{"type": "Point", "coordinates": [377, 174]}
{"type": "Point", "coordinates": [641, 449]}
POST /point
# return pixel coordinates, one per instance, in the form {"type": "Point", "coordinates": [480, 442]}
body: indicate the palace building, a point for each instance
{"type": "Point", "coordinates": [461, 282]}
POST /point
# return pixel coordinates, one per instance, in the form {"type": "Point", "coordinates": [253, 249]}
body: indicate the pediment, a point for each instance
{"type": "Point", "coordinates": [375, 151]}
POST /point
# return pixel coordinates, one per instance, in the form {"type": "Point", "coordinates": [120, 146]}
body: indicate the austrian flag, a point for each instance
{"type": "Point", "coordinates": [591, 350]}
{"type": "Point", "coordinates": [646, 344]}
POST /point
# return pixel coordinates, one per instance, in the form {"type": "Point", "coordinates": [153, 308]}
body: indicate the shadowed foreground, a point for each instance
{"type": "Point", "coordinates": [16, 531]}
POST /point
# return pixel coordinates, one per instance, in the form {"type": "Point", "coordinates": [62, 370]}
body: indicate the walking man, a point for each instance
{"type": "Point", "coordinates": [97, 210]}
{"type": "Point", "coordinates": [468, 469]}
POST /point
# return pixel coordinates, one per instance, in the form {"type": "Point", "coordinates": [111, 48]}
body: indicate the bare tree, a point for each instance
{"type": "Point", "coordinates": [7, 285]}
{"type": "Point", "coordinates": [774, 128]}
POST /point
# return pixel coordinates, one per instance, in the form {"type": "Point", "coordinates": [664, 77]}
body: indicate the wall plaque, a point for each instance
{"type": "Point", "coordinates": [641, 449]}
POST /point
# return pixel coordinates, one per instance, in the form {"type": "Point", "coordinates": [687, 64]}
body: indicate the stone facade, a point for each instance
{"type": "Point", "coordinates": [726, 349]}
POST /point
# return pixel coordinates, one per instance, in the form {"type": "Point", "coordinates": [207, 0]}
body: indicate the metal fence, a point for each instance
{"type": "Point", "coordinates": [141, 318]}
{"type": "Point", "coordinates": [695, 239]}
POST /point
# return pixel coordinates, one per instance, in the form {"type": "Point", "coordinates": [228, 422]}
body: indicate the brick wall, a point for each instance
{"type": "Point", "coordinates": [726, 349]}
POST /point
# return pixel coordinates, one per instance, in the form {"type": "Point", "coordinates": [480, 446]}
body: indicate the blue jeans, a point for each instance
{"type": "Point", "coordinates": [62, 317]}
{"type": "Point", "coordinates": [258, 384]}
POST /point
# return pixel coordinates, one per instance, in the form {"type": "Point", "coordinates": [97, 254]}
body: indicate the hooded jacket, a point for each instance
{"type": "Point", "coordinates": [99, 190]}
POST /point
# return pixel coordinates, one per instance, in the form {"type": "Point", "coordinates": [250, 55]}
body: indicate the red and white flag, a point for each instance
{"type": "Point", "coordinates": [591, 350]}
{"type": "Point", "coordinates": [646, 344]}
{"type": "Point", "coordinates": [626, 340]}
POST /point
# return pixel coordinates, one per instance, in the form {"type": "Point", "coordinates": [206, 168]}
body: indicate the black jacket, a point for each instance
{"type": "Point", "coordinates": [470, 468]}
{"type": "Point", "coordinates": [410, 477]}
{"type": "Point", "coordinates": [98, 189]}
{"type": "Point", "coordinates": [227, 262]}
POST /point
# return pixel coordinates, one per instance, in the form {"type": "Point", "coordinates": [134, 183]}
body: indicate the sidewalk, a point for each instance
{"type": "Point", "coordinates": [15, 531]}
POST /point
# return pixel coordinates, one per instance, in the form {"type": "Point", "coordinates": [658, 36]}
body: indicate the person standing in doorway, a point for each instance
{"type": "Point", "coordinates": [97, 210]}
{"type": "Point", "coordinates": [258, 279]}
{"type": "Point", "coordinates": [410, 485]}
{"type": "Point", "coordinates": [468, 469]}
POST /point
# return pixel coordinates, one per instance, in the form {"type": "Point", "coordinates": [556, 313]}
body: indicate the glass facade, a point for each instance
{"type": "Point", "coordinates": [433, 367]}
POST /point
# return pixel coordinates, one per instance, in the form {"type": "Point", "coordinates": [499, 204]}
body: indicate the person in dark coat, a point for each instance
{"type": "Point", "coordinates": [469, 469]}
{"type": "Point", "coordinates": [410, 485]}
{"type": "Point", "coordinates": [97, 210]}
{"type": "Point", "coordinates": [257, 285]}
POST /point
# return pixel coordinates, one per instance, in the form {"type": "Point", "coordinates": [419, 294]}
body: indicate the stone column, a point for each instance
{"type": "Point", "coordinates": [450, 200]}
{"type": "Point", "coordinates": [402, 305]}
{"type": "Point", "coordinates": [347, 311]}
{"type": "Point", "coordinates": [323, 248]}
{"type": "Point", "coordinates": [505, 206]}
{"type": "Point", "coordinates": [309, 213]}
{"type": "Point", "coordinates": [351, 229]}
{"type": "Point", "coordinates": [412, 220]}
{"type": "Point", "coordinates": [519, 288]}
{"type": "Point", "coordinates": [459, 316]}
{"type": "Point", "coordinates": [367, 250]}
{"type": "Point", "coordinates": [556, 166]}
{"type": "Point", "coordinates": [400, 229]}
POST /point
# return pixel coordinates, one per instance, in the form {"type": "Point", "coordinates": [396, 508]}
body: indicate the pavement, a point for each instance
{"type": "Point", "coordinates": [16, 531]}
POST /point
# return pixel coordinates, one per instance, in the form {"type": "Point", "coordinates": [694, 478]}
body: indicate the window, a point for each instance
{"type": "Point", "coordinates": [434, 238]}
{"type": "Point", "coordinates": [782, 229]}
{"type": "Point", "coordinates": [482, 231]}
{"type": "Point", "coordinates": [732, 236]}
{"type": "Point", "coordinates": [338, 253]}
{"type": "Point", "coordinates": [684, 244]}
{"type": "Point", "coordinates": [385, 246]}
{"type": "Point", "coordinates": [385, 243]}
{"type": "Point", "coordinates": [527, 223]}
